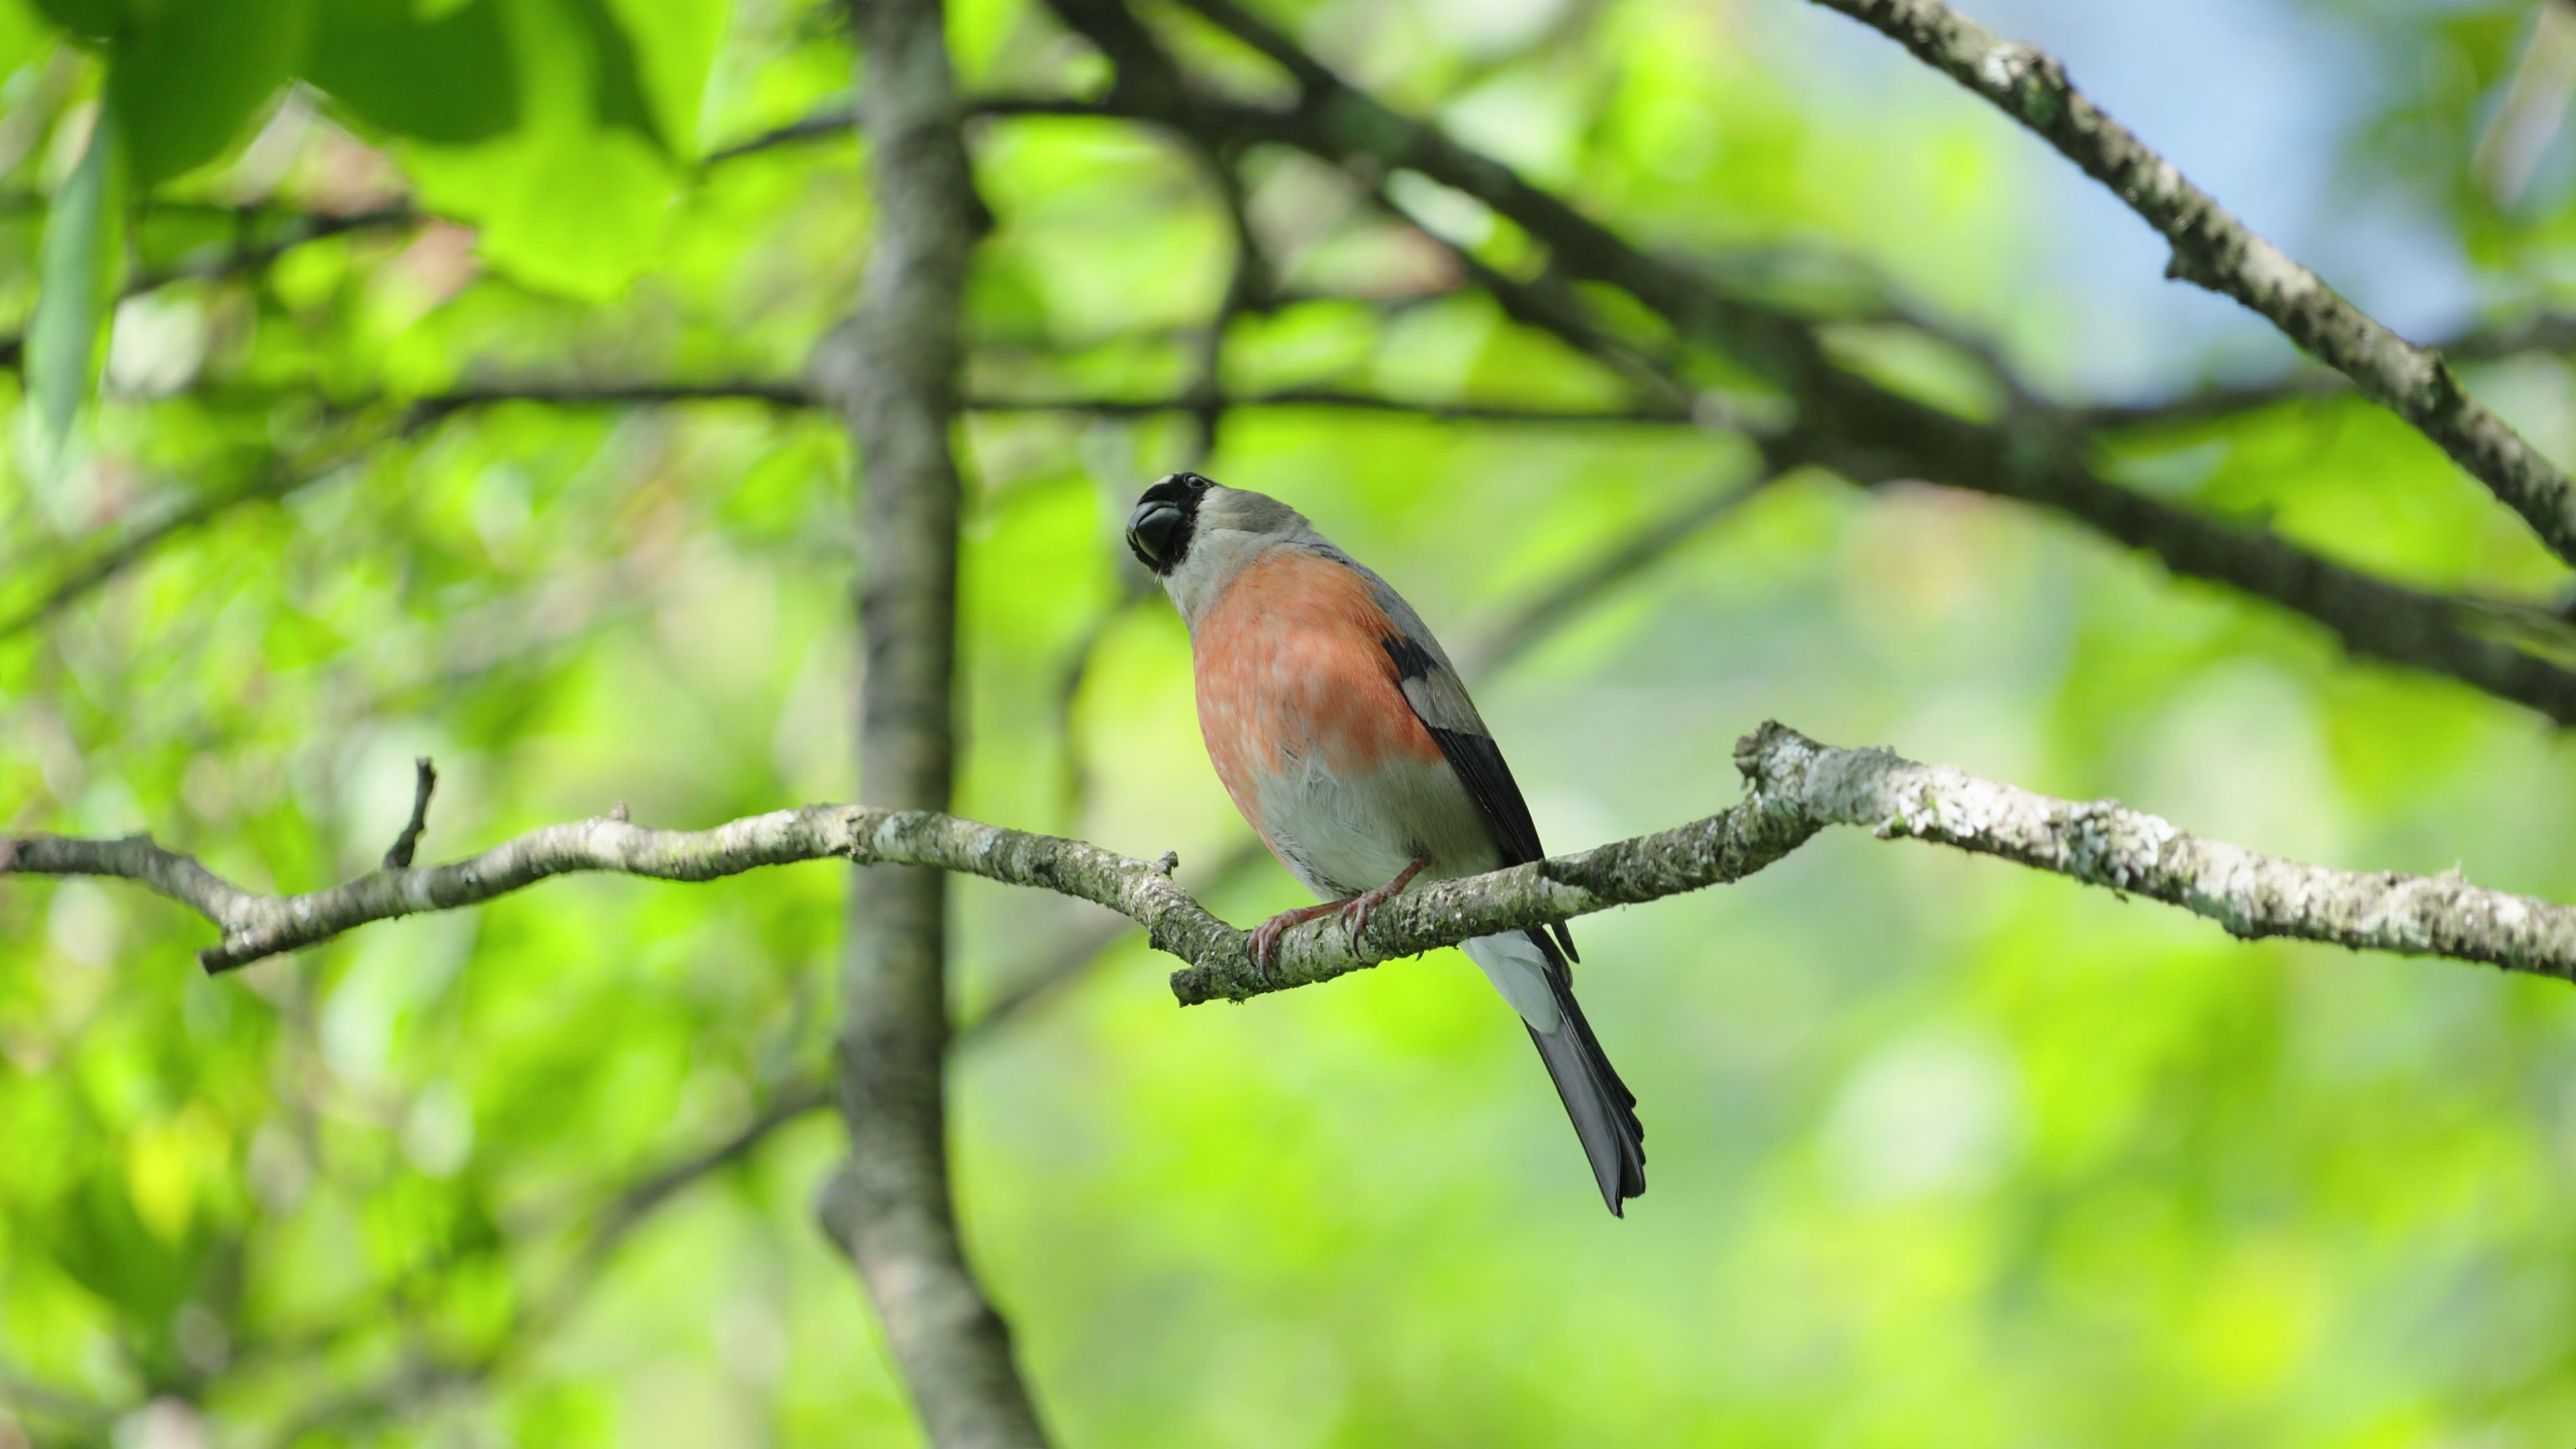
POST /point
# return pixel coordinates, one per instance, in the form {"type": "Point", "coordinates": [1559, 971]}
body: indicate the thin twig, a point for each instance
{"type": "Point", "coordinates": [277, 479]}
{"type": "Point", "coordinates": [1651, 543]}
{"type": "Point", "coordinates": [399, 857]}
{"type": "Point", "coordinates": [840, 121]}
{"type": "Point", "coordinates": [1534, 414]}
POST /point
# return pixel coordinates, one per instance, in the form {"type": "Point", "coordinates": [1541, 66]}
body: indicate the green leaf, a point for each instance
{"type": "Point", "coordinates": [616, 81]}
{"type": "Point", "coordinates": [675, 44]}
{"type": "Point", "coordinates": [575, 198]}
{"type": "Point", "coordinates": [579, 213]}
{"type": "Point", "coordinates": [25, 39]}
{"type": "Point", "coordinates": [74, 281]}
{"type": "Point", "coordinates": [101, 1243]}
{"type": "Point", "coordinates": [186, 80]}
{"type": "Point", "coordinates": [451, 79]}
{"type": "Point", "coordinates": [464, 74]}
{"type": "Point", "coordinates": [91, 20]}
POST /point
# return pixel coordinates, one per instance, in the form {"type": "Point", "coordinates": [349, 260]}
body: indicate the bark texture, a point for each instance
{"type": "Point", "coordinates": [1795, 788]}
{"type": "Point", "coordinates": [895, 370]}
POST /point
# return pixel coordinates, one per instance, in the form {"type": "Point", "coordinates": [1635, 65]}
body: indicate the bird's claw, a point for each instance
{"type": "Point", "coordinates": [1357, 910]}
{"type": "Point", "coordinates": [1355, 918]}
{"type": "Point", "coordinates": [1265, 937]}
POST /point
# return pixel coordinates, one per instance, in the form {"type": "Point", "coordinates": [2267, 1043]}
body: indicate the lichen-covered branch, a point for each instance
{"type": "Point", "coordinates": [2215, 250]}
{"type": "Point", "coordinates": [1795, 787]}
{"type": "Point", "coordinates": [256, 925]}
{"type": "Point", "coordinates": [2103, 843]}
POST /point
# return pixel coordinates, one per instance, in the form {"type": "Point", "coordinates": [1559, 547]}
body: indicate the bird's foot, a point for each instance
{"type": "Point", "coordinates": [1356, 910]}
{"type": "Point", "coordinates": [1265, 937]}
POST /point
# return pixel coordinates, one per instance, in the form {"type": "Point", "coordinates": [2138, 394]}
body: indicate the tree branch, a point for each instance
{"type": "Point", "coordinates": [303, 227]}
{"type": "Point", "coordinates": [894, 371]}
{"type": "Point", "coordinates": [279, 480]}
{"type": "Point", "coordinates": [425, 780]}
{"type": "Point", "coordinates": [1843, 421]}
{"type": "Point", "coordinates": [1633, 554]}
{"type": "Point", "coordinates": [2214, 250]}
{"type": "Point", "coordinates": [275, 479]}
{"type": "Point", "coordinates": [1197, 400]}
{"type": "Point", "coordinates": [1795, 788]}
{"type": "Point", "coordinates": [843, 120]}
{"type": "Point", "coordinates": [1201, 404]}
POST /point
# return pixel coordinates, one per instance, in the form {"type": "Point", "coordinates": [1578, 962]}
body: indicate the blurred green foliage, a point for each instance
{"type": "Point", "coordinates": [1944, 1152]}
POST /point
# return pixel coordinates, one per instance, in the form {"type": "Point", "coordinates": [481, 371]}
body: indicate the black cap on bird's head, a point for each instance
{"type": "Point", "coordinates": [1159, 530]}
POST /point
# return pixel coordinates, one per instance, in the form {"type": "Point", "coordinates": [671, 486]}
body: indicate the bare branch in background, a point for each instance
{"type": "Point", "coordinates": [1195, 402]}
{"type": "Point", "coordinates": [275, 479]}
{"type": "Point", "coordinates": [1843, 422]}
{"type": "Point", "coordinates": [280, 480]}
{"type": "Point", "coordinates": [439, 406]}
{"type": "Point", "coordinates": [820, 126]}
{"type": "Point", "coordinates": [245, 256]}
{"type": "Point", "coordinates": [1634, 553]}
{"type": "Point", "coordinates": [2215, 250]}
{"type": "Point", "coordinates": [1198, 405]}
{"type": "Point", "coordinates": [844, 120]}
{"type": "Point", "coordinates": [1248, 288]}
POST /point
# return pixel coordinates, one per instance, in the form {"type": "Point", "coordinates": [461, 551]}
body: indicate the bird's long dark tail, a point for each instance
{"type": "Point", "coordinates": [1532, 975]}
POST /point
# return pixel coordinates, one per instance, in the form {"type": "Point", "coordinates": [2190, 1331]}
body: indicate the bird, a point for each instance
{"type": "Point", "coordinates": [1345, 737]}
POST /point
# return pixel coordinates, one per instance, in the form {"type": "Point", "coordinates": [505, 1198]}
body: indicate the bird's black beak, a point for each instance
{"type": "Point", "coordinates": [1152, 532]}
{"type": "Point", "coordinates": [1160, 528]}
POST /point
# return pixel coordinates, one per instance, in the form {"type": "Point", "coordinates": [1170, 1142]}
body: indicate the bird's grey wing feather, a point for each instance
{"type": "Point", "coordinates": [1439, 699]}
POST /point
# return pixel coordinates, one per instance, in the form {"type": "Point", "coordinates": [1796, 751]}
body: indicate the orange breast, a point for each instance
{"type": "Point", "coordinates": [1291, 670]}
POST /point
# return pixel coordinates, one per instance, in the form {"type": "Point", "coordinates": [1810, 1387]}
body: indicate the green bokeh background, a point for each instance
{"type": "Point", "coordinates": [1943, 1152]}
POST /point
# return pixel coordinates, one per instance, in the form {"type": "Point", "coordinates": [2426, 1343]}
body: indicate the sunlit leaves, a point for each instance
{"type": "Point", "coordinates": [446, 76]}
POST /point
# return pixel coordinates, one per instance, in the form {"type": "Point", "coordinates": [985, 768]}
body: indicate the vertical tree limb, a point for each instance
{"type": "Point", "coordinates": [895, 370]}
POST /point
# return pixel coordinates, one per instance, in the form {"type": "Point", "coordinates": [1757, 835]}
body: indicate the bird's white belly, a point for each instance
{"type": "Point", "coordinates": [1346, 834]}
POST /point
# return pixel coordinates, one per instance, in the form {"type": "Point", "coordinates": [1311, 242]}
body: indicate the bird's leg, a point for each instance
{"type": "Point", "coordinates": [1355, 915]}
{"type": "Point", "coordinates": [1265, 937]}
{"type": "Point", "coordinates": [1355, 911]}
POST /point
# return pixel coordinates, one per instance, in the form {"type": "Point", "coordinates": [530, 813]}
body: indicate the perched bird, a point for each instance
{"type": "Point", "coordinates": [1347, 740]}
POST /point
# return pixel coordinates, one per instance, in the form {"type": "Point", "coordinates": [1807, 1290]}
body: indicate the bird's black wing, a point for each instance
{"type": "Point", "coordinates": [1439, 699]}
